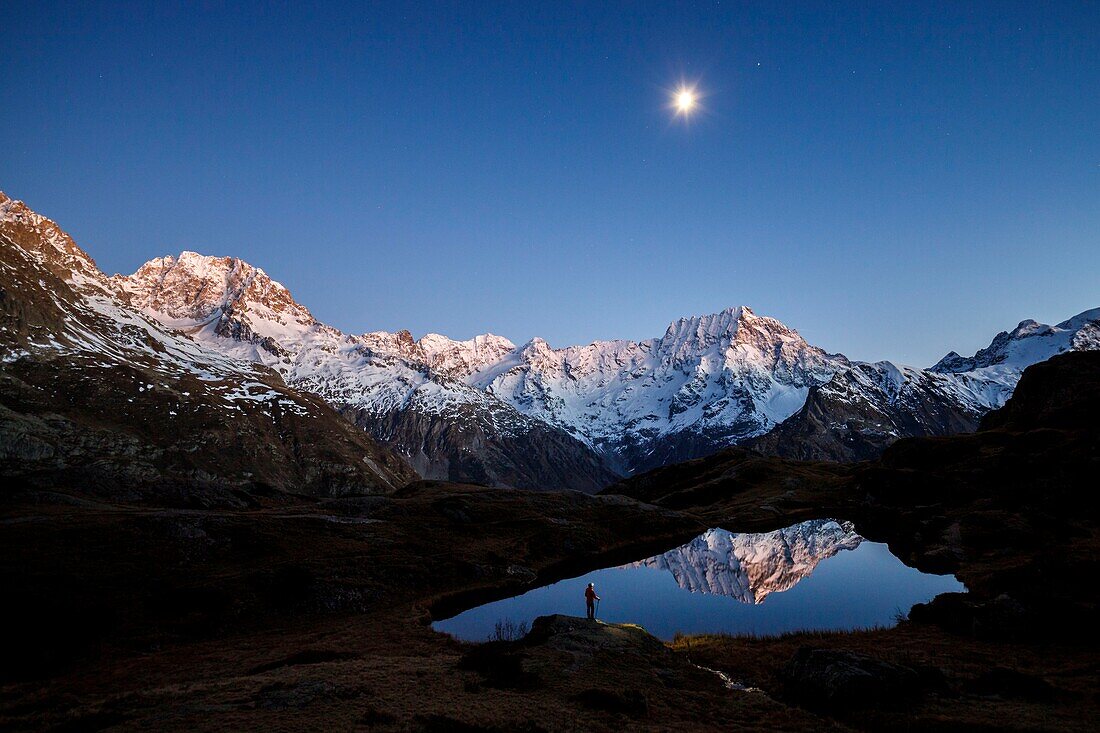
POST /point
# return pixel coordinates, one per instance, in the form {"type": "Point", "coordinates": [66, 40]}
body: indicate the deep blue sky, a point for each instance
{"type": "Point", "coordinates": [893, 179]}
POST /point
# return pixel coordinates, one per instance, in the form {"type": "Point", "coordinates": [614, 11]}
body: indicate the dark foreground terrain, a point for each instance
{"type": "Point", "coordinates": [313, 613]}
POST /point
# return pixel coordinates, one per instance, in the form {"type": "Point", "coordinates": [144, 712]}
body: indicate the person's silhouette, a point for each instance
{"type": "Point", "coordinates": [590, 599]}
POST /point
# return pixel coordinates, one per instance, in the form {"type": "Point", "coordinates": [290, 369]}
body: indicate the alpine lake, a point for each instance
{"type": "Point", "coordinates": [819, 575]}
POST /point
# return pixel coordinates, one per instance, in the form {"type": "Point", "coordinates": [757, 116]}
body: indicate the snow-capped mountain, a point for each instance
{"type": "Point", "coordinates": [865, 407]}
{"type": "Point", "coordinates": [535, 416]}
{"type": "Point", "coordinates": [399, 390]}
{"type": "Point", "coordinates": [532, 416]}
{"type": "Point", "coordinates": [708, 382]}
{"type": "Point", "coordinates": [96, 391]}
{"type": "Point", "coordinates": [1029, 343]}
{"type": "Point", "coordinates": [749, 567]}
{"type": "Point", "coordinates": [737, 377]}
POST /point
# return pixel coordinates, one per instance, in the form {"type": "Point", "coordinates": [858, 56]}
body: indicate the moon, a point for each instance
{"type": "Point", "coordinates": [685, 101]}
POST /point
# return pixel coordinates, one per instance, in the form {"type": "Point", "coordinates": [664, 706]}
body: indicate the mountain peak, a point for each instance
{"type": "Point", "coordinates": [195, 288]}
{"type": "Point", "coordinates": [462, 358]}
{"type": "Point", "coordinates": [1028, 343]}
{"type": "Point", "coordinates": [436, 341]}
{"type": "Point", "coordinates": [537, 345]}
{"type": "Point", "coordinates": [753, 336]}
{"type": "Point", "coordinates": [42, 239]}
{"type": "Point", "coordinates": [1081, 319]}
{"type": "Point", "coordinates": [713, 323]}
{"type": "Point", "coordinates": [1029, 327]}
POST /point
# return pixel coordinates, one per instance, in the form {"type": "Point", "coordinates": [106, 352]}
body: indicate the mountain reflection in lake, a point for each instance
{"type": "Point", "coordinates": [816, 575]}
{"type": "Point", "coordinates": [749, 567]}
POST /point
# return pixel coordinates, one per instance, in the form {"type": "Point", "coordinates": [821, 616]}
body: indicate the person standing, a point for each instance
{"type": "Point", "coordinates": [590, 599]}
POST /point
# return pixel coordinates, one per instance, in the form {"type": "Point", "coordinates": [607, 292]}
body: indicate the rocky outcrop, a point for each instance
{"type": "Point", "coordinates": [585, 638]}
{"type": "Point", "coordinates": [1062, 393]}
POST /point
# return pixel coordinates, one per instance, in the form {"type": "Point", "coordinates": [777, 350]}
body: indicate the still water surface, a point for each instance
{"type": "Point", "coordinates": [816, 575]}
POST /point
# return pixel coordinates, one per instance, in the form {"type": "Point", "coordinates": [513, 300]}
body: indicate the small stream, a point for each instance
{"type": "Point", "coordinates": [818, 575]}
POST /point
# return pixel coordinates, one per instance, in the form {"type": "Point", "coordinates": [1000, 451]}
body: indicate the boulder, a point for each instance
{"type": "Point", "coordinates": [841, 680]}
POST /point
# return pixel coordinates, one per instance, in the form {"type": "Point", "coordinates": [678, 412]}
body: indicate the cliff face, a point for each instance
{"type": "Point", "coordinates": [463, 442]}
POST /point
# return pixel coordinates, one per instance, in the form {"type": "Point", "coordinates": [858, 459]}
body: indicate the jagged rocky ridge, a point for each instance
{"type": "Point", "coordinates": [729, 378]}
{"type": "Point", "coordinates": [95, 395]}
{"type": "Point", "coordinates": [399, 390]}
{"type": "Point", "coordinates": [534, 416]}
{"type": "Point", "coordinates": [488, 411]}
{"type": "Point", "coordinates": [749, 567]}
{"type": "Point", "coordinates": [866, 407]}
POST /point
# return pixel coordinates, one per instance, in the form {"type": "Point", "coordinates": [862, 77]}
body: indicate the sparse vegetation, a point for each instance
{"type": "Point", "coordinates": [509, 630]}
{"type": "Point", "coordinates": [681, 640]}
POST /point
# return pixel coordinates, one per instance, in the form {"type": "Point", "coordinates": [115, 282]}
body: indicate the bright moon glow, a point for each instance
{"type": "Point", "coordinates": [685, 101]}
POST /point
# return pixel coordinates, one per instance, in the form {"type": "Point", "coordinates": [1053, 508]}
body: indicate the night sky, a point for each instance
{"type": "Point", "coordinates": [895, 180]}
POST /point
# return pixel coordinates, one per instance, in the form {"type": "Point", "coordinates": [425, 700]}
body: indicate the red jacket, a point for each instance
{"type": "Point", "coordinates": [590, 595]}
